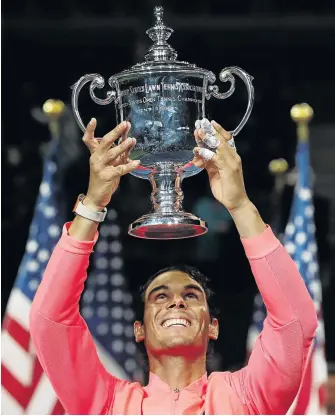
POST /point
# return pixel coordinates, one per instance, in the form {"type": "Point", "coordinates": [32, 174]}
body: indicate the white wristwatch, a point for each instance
{"type": "Point", "coordinates": [83, 211]}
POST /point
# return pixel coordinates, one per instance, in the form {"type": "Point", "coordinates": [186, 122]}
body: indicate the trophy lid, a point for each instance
{"type": "Point", "coordinates": [161, 56]}
{"type": "Point", "coordinates": [159, 33]}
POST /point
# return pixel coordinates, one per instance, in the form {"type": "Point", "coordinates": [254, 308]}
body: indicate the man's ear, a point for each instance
{"type": "Point", "coordinates": [214, 329]}
{"type": "Point", "coordinates": [139, 331]}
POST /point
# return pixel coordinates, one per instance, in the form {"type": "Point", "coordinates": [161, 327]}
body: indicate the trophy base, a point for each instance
{"type": "Point", "coordinates": [176, 225]}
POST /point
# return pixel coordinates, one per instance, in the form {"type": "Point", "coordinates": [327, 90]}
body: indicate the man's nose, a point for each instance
{"type": "Point", "coordinates": [178, 302]}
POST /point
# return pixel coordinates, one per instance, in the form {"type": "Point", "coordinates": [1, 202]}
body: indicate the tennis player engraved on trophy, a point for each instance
{"type": "Point", "coordinates": [162, 98]}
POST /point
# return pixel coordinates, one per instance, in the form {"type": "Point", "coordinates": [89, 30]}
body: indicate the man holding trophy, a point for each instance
{"type": "Point", "coordinates": [177, 322]}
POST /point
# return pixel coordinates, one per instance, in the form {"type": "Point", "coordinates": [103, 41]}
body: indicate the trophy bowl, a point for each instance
{"type": "Point", "coordinates": [162, 98]}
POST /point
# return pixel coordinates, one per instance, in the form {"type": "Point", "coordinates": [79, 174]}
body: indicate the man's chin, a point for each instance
{"type": "Point", "coordinates": [179, 341]}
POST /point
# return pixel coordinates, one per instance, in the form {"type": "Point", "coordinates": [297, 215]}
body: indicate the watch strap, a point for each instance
{"type": "Point", "coordinates": [83, 211]}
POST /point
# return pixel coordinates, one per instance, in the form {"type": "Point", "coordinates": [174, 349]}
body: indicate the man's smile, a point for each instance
{"type": "Point", "coordinates": [176, 322]}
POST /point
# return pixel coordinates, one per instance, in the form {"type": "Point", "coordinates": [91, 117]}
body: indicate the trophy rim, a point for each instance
{"type": "Point", "coordinates": [152, 67]}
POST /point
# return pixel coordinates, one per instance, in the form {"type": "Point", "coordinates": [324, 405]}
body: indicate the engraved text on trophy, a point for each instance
{"type": "Point", "coordinates": [162, 111]}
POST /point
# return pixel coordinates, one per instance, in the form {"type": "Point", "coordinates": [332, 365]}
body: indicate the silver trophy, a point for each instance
{"type": "Point", "coordinates": [162, 98]}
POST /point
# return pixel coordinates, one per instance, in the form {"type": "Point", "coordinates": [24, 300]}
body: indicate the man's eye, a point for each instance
{"type": "Point", "coordinates": [191, 296]}
{"type": "Point", "coordinates": [161, 296]}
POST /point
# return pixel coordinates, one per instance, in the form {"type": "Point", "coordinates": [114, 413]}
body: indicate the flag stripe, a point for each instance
{"type": "Point", "coordinates": [9, 405]}
{"type": "Point", "coordinates": [21, 393]}
{"type": "Point", "coordinates": [43, 399]}
{"type": "Point", "coordinates": [18, 307]}
{"type": "Point", "coordinates": [18, 361]}
{"type": "Point", "coordinates": [15, 330]}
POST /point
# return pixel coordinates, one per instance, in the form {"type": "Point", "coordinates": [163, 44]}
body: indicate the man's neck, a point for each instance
{"type": "Point", "coordinates": [177, 372]}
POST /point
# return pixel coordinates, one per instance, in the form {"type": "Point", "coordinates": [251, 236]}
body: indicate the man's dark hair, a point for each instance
{"type": "Point", "coordinates": [194, 274]}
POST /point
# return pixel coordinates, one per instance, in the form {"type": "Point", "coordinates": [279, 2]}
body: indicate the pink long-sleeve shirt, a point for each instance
{"type": "Point", "coordinates": [268, 384]}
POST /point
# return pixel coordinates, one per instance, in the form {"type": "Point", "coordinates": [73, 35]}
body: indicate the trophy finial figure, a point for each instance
{"type": "Point", "coordinates": [158, 13]}
{"type": "Point", "coordinates": [159, 33]}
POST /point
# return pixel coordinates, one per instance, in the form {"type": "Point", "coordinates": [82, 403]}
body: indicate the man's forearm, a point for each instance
{"type": "Point", "coordinates": [83, 229]}
{"type": "Point", "coordinates": [248, 221]}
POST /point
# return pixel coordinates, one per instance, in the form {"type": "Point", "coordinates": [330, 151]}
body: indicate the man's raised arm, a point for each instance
{"type": "Point", "coordinates": [270, 381]}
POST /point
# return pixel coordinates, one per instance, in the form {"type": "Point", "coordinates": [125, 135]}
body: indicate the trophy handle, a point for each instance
{"type": "Point", "coordinates": [97, 81]}
{"type": "Point", "coordinates": [227, 75]}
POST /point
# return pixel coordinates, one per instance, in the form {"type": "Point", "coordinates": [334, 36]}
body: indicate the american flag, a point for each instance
{"type": "Point", "coordinates": [300, 242]}
{"type": "Point", "coordinates": [106, 303]}
{"type": "Point", "coordinates": [25, 388]}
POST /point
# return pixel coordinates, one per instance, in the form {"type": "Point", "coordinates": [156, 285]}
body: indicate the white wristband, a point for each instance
{"type": "Point", "coordinates": [83, 211]}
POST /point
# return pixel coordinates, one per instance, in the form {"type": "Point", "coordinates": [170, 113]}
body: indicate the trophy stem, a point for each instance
{"type": "Point", "coordinates": [167, 220]}
{"type": "Point", "coordinates": [166, 195]}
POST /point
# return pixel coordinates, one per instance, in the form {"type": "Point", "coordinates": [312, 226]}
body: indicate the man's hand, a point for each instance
{"type": "Point", "coordinates": [223, 166]}
{"type": "Point", "coordinates": [225, 174]}
{"type": "Point", "coordinates": [108, 162]}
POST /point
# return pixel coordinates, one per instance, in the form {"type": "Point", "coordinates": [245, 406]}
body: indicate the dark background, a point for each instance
{"type": "Point", "coordinates": [287, 46]}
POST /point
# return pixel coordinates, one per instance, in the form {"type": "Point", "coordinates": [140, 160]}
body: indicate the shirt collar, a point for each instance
{"type": "Point", "coordinates": [156, 385]}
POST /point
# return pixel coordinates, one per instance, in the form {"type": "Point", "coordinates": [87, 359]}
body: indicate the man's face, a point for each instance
{"type": "Point", "coordinates": [176, 316]}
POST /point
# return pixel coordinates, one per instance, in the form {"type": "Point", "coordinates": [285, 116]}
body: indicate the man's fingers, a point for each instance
{"type": "Point", "coordinates": [206, 125]}
{"type": "Point", "coordinates": [198, 161]}
{"type": "Point", "coordinates": [124, 137]}
{"type": "Point", "coordinates": [204, 154]}
{"type": "Point", "coordinates": [224, 133]}
{"type": "Point", "coordinates": [125, 134]}
{"type": "Point", "coordinates": [127, 153]}
{"type": "Point", "coordinates": [115, 152]}
{"type": "Point", "coordinates": [125, 157]}
{"type": "Point", "coordinates": [209, 130]}
{"type": "Point", "coordinates": [88, 137]}
{"type": "Point", "coordinates": [89, 132]}
{"type": "Point", "coordinates": [128, 167]}
{"type": "Point", "coordinates": [221, 141]}
{"type": "Point", "coordinates": [220, 151]}
{"type": "Point", "coordinates": [205, 135]}
{"type": "Point", "coordinates": [197, 137]}
{"type": "Point", "coordinates": [211, 140]}
{"type": "Point", "coordinates": [112, 136]}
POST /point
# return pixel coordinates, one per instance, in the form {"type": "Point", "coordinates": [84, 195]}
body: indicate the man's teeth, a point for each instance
{"type": "Point", "coordinates": [180, 322]}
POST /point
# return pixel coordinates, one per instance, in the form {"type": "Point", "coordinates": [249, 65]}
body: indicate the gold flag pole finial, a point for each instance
{"type": "Point", "coordinates": [54, 110]}
{"type": "Point", "coordinates": [278, 168]}
{"type": "Point", "coordinates": [302, 114]}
